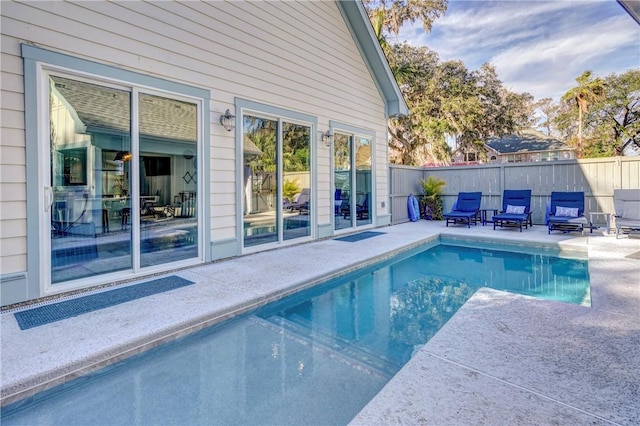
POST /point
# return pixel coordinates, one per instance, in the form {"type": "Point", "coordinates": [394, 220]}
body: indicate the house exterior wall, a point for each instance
{"type": "Point", "coordinates": [296, 56]}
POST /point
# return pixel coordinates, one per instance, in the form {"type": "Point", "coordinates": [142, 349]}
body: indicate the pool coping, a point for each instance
{"type": "Point", "coordinates": [323, 259]}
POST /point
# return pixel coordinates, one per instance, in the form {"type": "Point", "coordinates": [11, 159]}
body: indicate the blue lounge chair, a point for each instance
{"type": "Point", "coordinates": [516, 209]}
{"type": "Point", "coordinates": [362, 207]}
{"type": "Point", "coordinates": [302, 202]}
{"type": "Point", "coordinates": [466, 209]}
{"type": "Point", "coordinates": [566, 212]}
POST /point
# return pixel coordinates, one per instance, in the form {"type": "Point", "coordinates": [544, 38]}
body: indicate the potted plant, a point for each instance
{"type": "Point", "coordinates": [431, 200]}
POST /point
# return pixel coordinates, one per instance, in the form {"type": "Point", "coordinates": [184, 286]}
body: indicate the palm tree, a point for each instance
{"type": "Point", "coordinates": [431, 199]}
{"type": "Point", "coordinates": [588, 91]}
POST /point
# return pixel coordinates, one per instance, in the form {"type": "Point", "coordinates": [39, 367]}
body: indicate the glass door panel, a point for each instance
{"type": "Point", "coordinates": [168, 190]}
{"type": "Point", "coordinates": [363, 180]}
{"type": "Point", "coordinates": [260, 149]}
{"type": "Point", "coordinates": [90, 149]}
{"type": "Point", "coordinates": [342, 177]}
{"type": "Point", "coordinates": [95, 209]}
{"type": "Point", "coordinates": [296, 166]}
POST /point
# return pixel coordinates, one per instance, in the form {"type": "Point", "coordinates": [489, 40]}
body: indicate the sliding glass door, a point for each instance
{"type": "Point", "coordinates": [277, 201]}
{"type": "Point", "coordinates": [122, 183]}
{"type": "Point", "coordinates": [352, 165]}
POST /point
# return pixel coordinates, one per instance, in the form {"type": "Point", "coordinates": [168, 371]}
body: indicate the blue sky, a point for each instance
{"type": "Point", "coordinates": [537, 46]}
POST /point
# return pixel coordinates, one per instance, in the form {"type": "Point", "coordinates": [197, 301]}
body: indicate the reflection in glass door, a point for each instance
{"type": "Point", "coordinates": [168, 180]}
{"type": "Point", "coordinates": [277, 180]}
{"type": "Point", "coordinates": [362, 149]}
{"type": "Point", "coordinates": [352, 191]}
{"type": "Point", "coordinates": [90, 179]}
{"type": "Point", "coordinates": [259, 147]}
{"type": "Point", "coordinates": [296, 167]}
{"type": "Point", "coordinates": [342, 179]}
{"type": "Point", "coordinates": [106, 187]}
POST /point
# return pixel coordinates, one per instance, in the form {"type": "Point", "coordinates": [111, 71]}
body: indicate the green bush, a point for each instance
{"type": "Point", "coordinates": [289, 190]}
{"type": "Point", "coordinates": [431, 200]}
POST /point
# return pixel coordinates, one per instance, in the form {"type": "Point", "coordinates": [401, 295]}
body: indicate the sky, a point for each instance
{"type": "Point", "coordinates": [539, 47]}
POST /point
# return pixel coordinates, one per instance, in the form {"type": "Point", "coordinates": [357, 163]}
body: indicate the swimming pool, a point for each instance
{"type": "Point", "coordinates": [316, 357]}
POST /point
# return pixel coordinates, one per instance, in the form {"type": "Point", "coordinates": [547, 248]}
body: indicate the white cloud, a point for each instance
{"type": "Point", "coordinates": [537, 46]}
{"type": "Point", "coordinates": [557, 61]}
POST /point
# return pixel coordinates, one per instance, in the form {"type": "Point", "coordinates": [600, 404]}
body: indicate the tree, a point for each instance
{"type": "Point", "coordinates": [415, 135]}
{"type": "Point", "coordinates": [491, 110]}
{"type": "Point", "coordinates": [588, 91]}
{"type": "Point", "coordinates": [445, 99]}
{"type": "Point", "coordinates": [609, 122]}
{"type": "Point", "coordinates": [396, 12]}
{"type": "Point", "coordinates": [548, 110]}
{"type": "Point", "coordinates": [618, 121]}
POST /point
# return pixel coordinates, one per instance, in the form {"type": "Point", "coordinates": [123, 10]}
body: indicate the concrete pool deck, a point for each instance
{"type": "Point", "coordinates": [521, 361]}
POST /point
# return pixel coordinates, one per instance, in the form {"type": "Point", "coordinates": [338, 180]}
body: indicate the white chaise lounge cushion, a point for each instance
{"type": "Point", "coordinates": [567, 211]}
{"type": "Point", "coordinates": [515, 209]}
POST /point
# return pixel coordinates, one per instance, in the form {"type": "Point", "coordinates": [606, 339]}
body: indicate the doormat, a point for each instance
{"type": "Point", "coordinates": [360, 236]}
{"type": "Point", "coordinates": [70, 308]}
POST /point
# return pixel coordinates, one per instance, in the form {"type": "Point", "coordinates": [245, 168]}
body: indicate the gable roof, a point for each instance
{"type": "Point", "coordinates": [357, 21]}
{"type": "Point", "coordinates": [528, 140]}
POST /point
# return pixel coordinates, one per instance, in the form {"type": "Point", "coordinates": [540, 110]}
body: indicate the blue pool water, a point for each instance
{"type": "Point", "coordinates": [316, 357]}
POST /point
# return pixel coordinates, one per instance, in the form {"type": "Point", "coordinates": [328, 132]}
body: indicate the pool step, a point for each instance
{"type": "Point", "coordinates": [337, 348]}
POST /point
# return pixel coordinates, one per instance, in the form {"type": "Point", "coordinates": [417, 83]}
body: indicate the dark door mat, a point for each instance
{"type": "Point", "coordinates": [360, 236]}
{"type": "Point", "coordinates": [70, 308]}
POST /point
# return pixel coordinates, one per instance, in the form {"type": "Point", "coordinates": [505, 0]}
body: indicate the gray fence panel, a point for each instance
{"type": "Point", "coordinates": [597, 178]}
{"type": "Point", "coordinates": [404, 181]}
{"type": "Point", "coordinates": [629, 173]}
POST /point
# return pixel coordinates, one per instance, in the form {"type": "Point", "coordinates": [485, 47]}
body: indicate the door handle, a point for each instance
{"type": "Point", "coordinates": [48, 198]}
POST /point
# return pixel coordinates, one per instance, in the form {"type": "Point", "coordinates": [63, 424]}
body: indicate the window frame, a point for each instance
{"type": "Point", "coordinates": [248, 107]}
{"type": "Point", "coordinates": [354, 132]}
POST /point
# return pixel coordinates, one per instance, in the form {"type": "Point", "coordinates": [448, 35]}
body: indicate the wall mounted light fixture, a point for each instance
{"type": "Point", "coordinates": [228, 121]}
{"type": "Point", "coordinates": [123, 156]}
{"type": "Point", "coordinates": [327, 138]}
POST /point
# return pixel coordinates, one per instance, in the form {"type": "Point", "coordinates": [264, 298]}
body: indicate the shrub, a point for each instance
{"type": "Point", "coordinates": [289, 190]}
{"type": "Point", "coordinates": [431, 200]}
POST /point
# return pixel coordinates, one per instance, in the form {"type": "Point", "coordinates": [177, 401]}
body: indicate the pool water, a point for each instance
{"type": "Point", "coordinates": [316, 357]}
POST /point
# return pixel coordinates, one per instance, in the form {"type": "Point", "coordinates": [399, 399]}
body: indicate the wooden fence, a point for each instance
{"type": "Point", "coordinates": [596, 177]}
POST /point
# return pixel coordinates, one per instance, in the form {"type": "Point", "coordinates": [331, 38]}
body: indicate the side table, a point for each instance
{"type": "Point", "coordinates": [607, 217]}
{"type": "Point", "coordinates": [483, 215]}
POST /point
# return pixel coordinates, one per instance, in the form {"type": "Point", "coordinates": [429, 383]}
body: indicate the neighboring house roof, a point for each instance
{"type": "Point", "coordinates": [529, 140]}
{"type": "Point", "coordinates": [360, 27]}
{"type": "Point", "coordinates": [250, 148]}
